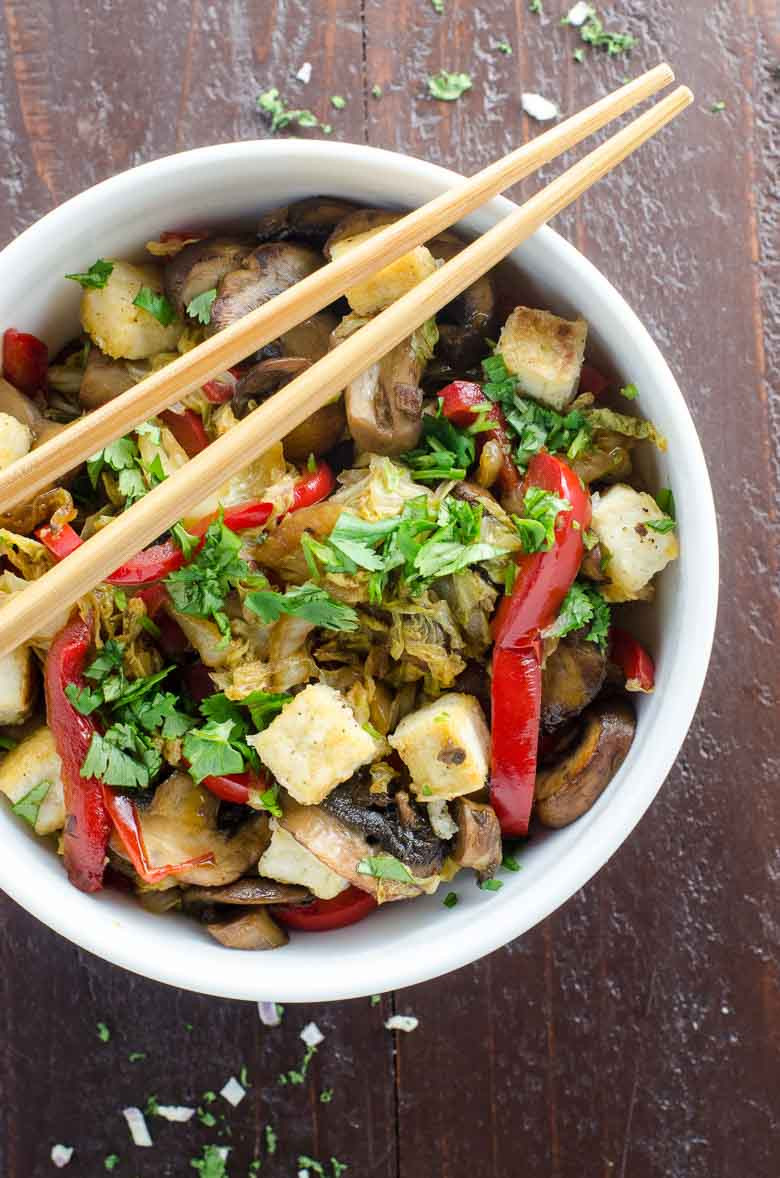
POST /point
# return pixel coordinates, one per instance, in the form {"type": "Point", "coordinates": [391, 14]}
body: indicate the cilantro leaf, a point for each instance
{"type": "Point", "coordinates": [630, 392]}
{"type": "Point", "coordinates": [264, 706]}
{"type": "Point", "coordinates": [96, 277]}
{"type": "Point", "coordinates": [662, 525]}
{"type": "Point", "coordinates": [106, 662]}
{"type": "Point", "coordinates": [28, 806]}
{"type": "Point", "coordinates": [533, 425]}
{"type": "Point", "coordinates": [537, 527]}
{"type": "Point", "coordinates": [593, 33]}
{"type": "Point", "coordinates": [122, 757]}
{"type": "Point", "coordinates": [665, 500]}
{"type": "Point", "coordinates": [271, 103]}
{"type": "Point", "coordinates": [446, 451]}
{"type": "Point", "coordinates": [200, 588]}
{"type": "Point", "coordinates": [448, 87]}
{"type": "Point", "coordinates": [582, 605]}
{"type": "Point", "coordinates": [200, 307]}
{"type": "Point", "coordinates": [156, 304]}
{"type": "Point", "coordinates": [268, 800]}
{"type": "Point", "coordinates": [84, 699]}
{"type": "Point", "coordinates": [211, 1164]}
{"type": "Point", "coordinates": [210, 750]}
{"type": "Point", "coordinates": [160, 713]}
{"type": "Point", "coordinates": [385, 867]}
{"type": "Point", "coordinates": [307, 601]}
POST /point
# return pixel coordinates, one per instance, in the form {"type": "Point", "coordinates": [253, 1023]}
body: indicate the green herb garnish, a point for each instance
{"type": "Point", "coordinates": [448, 87]}
{"type": "Point", "coordinates": [450, 900]}
{"type": "Point", "coordinates": [582, 606]}
{"type": "Point", "coordinates": [665, 500]}
{"type": "Point", "coordinates": [96, 277]}
{"type": "Point", "coordinates": [156, 304]}
{"type": "Point", "coordinates": [103, 1033]}
{"type": "Point", "coordinates": [491, 885]}
{"type": "Point", "coordinates": [211, 1164]}
{"type": "Point", "coordinates": [337, 101]}
{"type": "Point", "coordinates": [200, 307]}
{"type": "Point", "coordinates": [662, 525]}
{"type": "Point", "coordinates": [385, 867]}
{"type": "Point", "coordinates": [630, 392]}
{"type": "Point", "coordinates": [272, 104]}
{"type": "Point", "coordinates": [307, 601]}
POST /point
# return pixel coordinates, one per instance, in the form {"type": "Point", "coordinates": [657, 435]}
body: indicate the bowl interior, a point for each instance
{"type": "Point", "coordinates": [403, 943]}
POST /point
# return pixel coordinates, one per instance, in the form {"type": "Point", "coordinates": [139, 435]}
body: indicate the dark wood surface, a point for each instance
{"type": "Point", "coordinates": [635, 1033]}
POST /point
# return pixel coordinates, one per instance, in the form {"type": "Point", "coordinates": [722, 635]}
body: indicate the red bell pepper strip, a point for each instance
{"type": "Point", "coordinates": [633, 660]}
{"type": "Point", "coordinates": [322, 916]}
{"type": "Point", "coordinates": [87, 825]}
{"type": "Point", "coordinates": [516, 696]}
{"type": "Point", "coordinates": [124, 816]}
{"type": "Point", "coordinates": [543, 580]}
{"type": "Point", "coordinates": [238, 519]}
{"type": "Point", "coordinates": [313, 487]}
{"type": "Point", "coordinates": [152, 564]}
{"type": "Point", "coordinates": [462, 403]}
{"type": "Point", "coordinates": [59, 541]}
{"type": "Point", "coordinates": [188, 430]}
{"type": "Point", "coordinates": [25, 360]}
{"type": "Point", "coordinates": [237, 787]}
{"type": "Point", "coordinates": [154, 598]}
{"type": "Point", "coordinates": [219, 391]}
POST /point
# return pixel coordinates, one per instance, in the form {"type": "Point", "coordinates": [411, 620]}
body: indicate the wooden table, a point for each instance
{"type": "Point", "coordinates": [635, 1032]}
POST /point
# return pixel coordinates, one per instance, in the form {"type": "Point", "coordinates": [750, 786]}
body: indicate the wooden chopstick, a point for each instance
{"type": "Point", "coordinates": [155, 393]}
{"type": "Point", "coordinates": [66, 582]}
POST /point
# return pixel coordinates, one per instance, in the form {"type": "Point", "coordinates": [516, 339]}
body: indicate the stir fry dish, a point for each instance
{"type": "Point", "coordinates": [377, 658]}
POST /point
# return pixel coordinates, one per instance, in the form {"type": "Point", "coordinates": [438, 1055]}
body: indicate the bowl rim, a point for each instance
{"type": "Point", "coordinates": [441, 954]}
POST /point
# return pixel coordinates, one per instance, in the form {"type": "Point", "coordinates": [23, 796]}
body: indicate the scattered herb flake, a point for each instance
{"type": "Point", "coordinates": [270, 1140]}
{"type": "Point", "coordinates": [535, 6]}
{"type": "Point", "coordinates": [211, 1164]}
{"type": "Point", "coordinates": [156, 304]}
{"type": "Point", "coordinates": [450, 900]}
{"type": "Point", "coordinates": [326, 1096]}
{"type": "Point", "coordinates": [447, 87]}
{"type": "Point", "coordinates": [579, 55]}
{"type": "Point", "coordinates": [376, 999]}
{"type": "Point", "coordinates": [505, 48]}
{"type": "Point", "coordinates": [509, 863]}
{"type": "Point", "coordinates": [438, 6]}
{"type": "Point", "coordinates": [376, 91]}
{"type": "Point", "coordinates": [136, 1056]}
{"type": "Point", "coordinates": [200, 307]}
{"type": "Point", "coordinates": [111, 1162]}
{"type": "Point", "coordinates": [582, 605]}
{"type": "Point", "coordinates": [491, 885]}
{"type": "Point", "coordinates": [29, 806]}
{"type": "Point", "coordinates": [103, 1033]}
{"type": "Point", "coordinates": [665, 500]}
{"type": "Point", "coordinates": [717, 107]}
{"type": "Point", "coordinates": [662, 525]}
{"type": "Point", "coordinates": [96, 277]}
{"type": "Point", "coordinates": [630, 392]}
{"type": "Point", "coordinates": [272, 104]}
{"type": "Point", "coordinates": [385, 867]}
{"type": "Point", "coordinates": [337, 101]}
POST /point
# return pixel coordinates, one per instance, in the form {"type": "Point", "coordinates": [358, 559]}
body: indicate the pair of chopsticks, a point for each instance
{"type": "Point", "coordinates": [161, 507]}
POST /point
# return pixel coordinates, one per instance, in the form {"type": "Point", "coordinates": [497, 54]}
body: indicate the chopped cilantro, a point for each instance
{"type": "Point", "coordinates": [156, 304]}
{"type": "Point", "coordinates": [535, 6]}
{"type": "Point", "coordinates": [264, 706]}
{"type": "Point", "coordinates": [29, 806]}
{"type": "Point", "coordinates": [583, 605]}
{"type": "Point", "coordinates": [450, 900]}
{"type": "Point", "coordinates": [103, 1033]}
{"type": "Point", "coordinates": [385, 867]}
{"type": "Point", "coordinates": [438, 6]}
{"type": "Point", "coordinates": [491, 885]}
{"type": "Point", "coordinates": [579, 55]}
{"type": "Point", "coordinates": [271, 103]}
{"type": "Point", "coordinates": [136, 1056]}
{"type": "Point", "coordinates": [665, 500]}
{"type": "Point", "coordinates": [7, 743]}
{"type": "Point", "coordinates": [211, 751]}
{"type": "Point", "coordinates": [376, 999]}
{"type": "Point", "coordinates": [298, 1075]}
{"type": "Point", "coordinates": [270, 1140]}
{"type": "Point", "coordinates": [186, 540]}
{"type": "Point", "coordinates": [662, 525]}
{"type": "Point", "coordinates": [537, 526]}
{"type": "Point", "coordinates": [593, 33]}
{"type": "Point", "coordinates": [200, 307]}
{"type": "Point", "coordinates": [211, 1164]}
{"type": "Point", "coordinates": [509, 863]}
{"type": "Point", "coordinates": [326, 1096]}
{"type": "Point", "coordinates": [630, 392]}
{"type": "Point", "coordinates": [307, 601]}
{"type": "Point", "coordinates": [376, 91]}
{"type": "Point", "coordinates": [200, 588]}
{"type": "Point", "coordinates": [445, 452]}
{"type": "Point", "coordinates": [337, 101]}
{"type": "Point", "coordinates": [448, 87]}
{"type": "Point", "coordinates": [96, 277]}
{"type": "Point", "coordinates": [111, 1162]}
{"type": "Point", "coordinates": [717, 107]}
{"type": "Point", "coordinates": [505, 48]}
{"type": "Point", "coordinates": [122, 757]}
{"type": "Point", "coordinates": [338, 1167]}
{"type": "Point", "coordinates": [533, 425]}
{"type": "Point", "coordinates": [311, 1164]}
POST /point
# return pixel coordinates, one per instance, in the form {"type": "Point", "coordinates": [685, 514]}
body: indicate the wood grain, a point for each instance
{"type": "Point", "coordinates": [635, 1034]}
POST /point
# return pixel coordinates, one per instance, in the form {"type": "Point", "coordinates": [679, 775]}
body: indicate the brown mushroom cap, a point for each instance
{"type": "Point", "coordinates": [318, 434]}
{"type": "Point", "coordinates": [248, 930]}
{"type": "Point", "coordinates": [464, 323]}
{"type": "Point", "coordinates": [478, 842]}
{"type": "Point", "coordinates": [567, 789]}
{"type": "Point", "coordinates": [103, 379]}
{"type": "Point", "coordinates": [312, 219]}
{"type": "Point", "coordinates": [200, 266]}
{"type": "Point", "coordinates": [248, 892]}
{"type": "Point", "coordinates": [384, 404]}
{"type": "Point", "coordinates": [265, 273]}
{"type": "Point", "coordinates": [359, 221]}
{"type": "Point", "coordinates": [573, 676]}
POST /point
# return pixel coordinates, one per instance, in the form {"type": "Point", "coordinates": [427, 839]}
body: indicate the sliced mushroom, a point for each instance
{"type": "Point", "coordinates": [312, 219]}
{"type": "Point", "coordinates": [248, 930]}
{"type": "Point", "coordinates": [24, 409]}
{"type": "Point", "coordinates": [281, 551]}
{"type": "Point", "coordinates": [310, 339]}
{"type": "Point", "coordinates": [358, 222]}
{"type": "Point", "coordinates": [103, 379]}
{"type": "Point", "coordinates": [266, 272]}
{"type": "Point", "coordinates": [399, 827]}
{"type": "Point", "coordinates": [464, 323]}
{"type": "Point", "coordinates": [384, 404]}
{"type": "Point", "coordinates": [592, 564]}
{"type": "Point", "coordinates": [200, 266]}
{"type": "Point", "coordinates": [567, 789]}
{"type": "Point", "coordinates": [478, 842]}
{"type": "Point", "coordinates": [248, 892]}
{"type": "Point", "coordinates": [340, 848]}
{"type": "Point", "coordinates": [572, 678]}
{"type": "Point", "coordinates": [181, 823]}
{"type": "Point", "coordinates": [314, 436]}
{"type": "Point", "coordinates": [607, 461]}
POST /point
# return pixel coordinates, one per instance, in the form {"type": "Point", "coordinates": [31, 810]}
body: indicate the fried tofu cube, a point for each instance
{"type": "Point", "coordinates": [635, 551]}
{"type": "Point", "coordinates": [15, 440]}
{"type": "Point", "coordinates": [545, 353]}
{"type": "Point", "coordinates": [446, 747]}
{"type": "Point", "coordinates": [379, 290]}
{"type": "Point", "coordinates": [314, 744]}
{"type": "Point", "coordinates": [17, 685]}
{"type": "Point", "coordinates": [33, 763]}
{"type": "Point", "coordinates": [287, 861]}
{"type": "Point", "coordinates": [117, 326]}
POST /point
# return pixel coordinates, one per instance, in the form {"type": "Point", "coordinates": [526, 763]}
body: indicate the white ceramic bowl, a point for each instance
{"type": "Point", "coordinates": [403, 943]}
